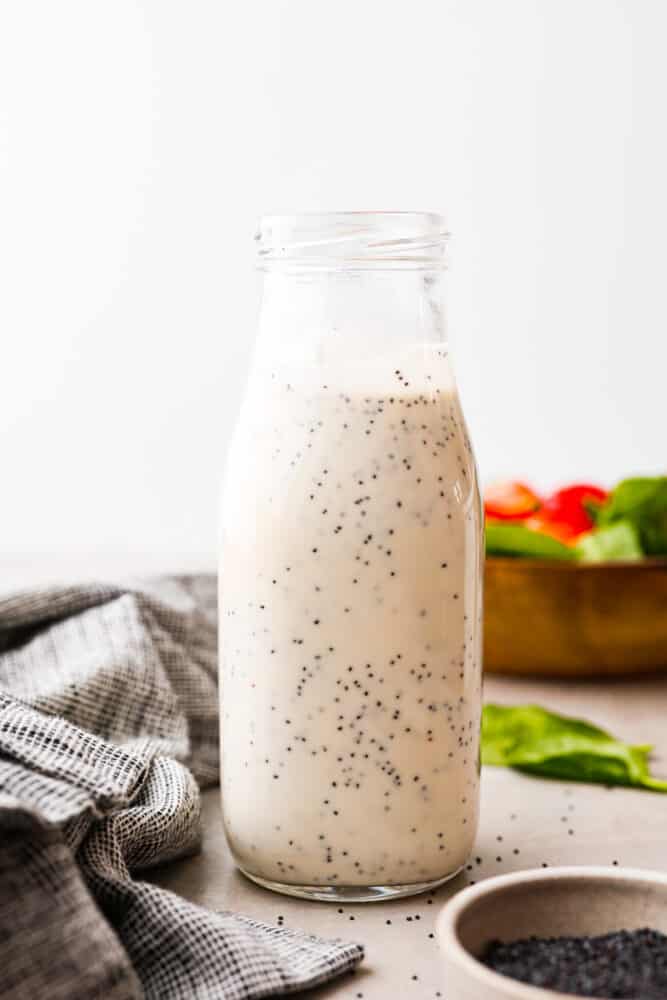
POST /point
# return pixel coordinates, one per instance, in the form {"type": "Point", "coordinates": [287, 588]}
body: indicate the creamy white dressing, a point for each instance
{"type": "Point", "coordinates": [350, 626]}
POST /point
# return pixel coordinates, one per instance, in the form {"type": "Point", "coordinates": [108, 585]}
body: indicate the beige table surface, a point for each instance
{"type": "Point", "coordinates": [525, 822]}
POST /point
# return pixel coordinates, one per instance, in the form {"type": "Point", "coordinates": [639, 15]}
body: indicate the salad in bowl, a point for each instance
{"type": "Point", "coordinates": [581, 522]}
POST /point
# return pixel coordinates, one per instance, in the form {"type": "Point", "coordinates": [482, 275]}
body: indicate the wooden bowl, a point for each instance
{"type": "Point", "coordinates": [550, 902]}
{"type": "Point", "coordinates": [564, 619]}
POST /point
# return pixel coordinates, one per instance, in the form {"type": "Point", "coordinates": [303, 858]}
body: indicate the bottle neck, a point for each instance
{"type": "Point", "coordinates": [320, 316]}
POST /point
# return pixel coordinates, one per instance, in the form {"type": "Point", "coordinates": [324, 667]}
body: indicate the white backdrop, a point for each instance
{"type": "Point", "coordinates": [139, 141]}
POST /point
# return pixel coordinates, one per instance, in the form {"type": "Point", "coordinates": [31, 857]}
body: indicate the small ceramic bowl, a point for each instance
{"type": "Point", "coordinates": [545, 902]}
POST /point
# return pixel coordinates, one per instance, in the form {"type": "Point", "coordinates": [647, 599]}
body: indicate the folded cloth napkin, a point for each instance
{"type": "Point", "coordinates": [108, 729]}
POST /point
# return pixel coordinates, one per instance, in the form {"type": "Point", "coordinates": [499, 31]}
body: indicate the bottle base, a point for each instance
{"type": "Point", "coordinates": [350, 893]}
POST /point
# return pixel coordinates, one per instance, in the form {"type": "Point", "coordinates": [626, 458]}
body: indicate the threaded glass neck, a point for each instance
{"type": "Point", "coordinates": [352, 240]}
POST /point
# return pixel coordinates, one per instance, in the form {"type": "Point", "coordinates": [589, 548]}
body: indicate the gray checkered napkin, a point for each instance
{"type": "Point", "coordinates": [108, 729]}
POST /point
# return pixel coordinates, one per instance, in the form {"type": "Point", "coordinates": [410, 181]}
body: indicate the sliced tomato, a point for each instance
{"type": "Point", "coordinates": [510, 501]}
{"type": "Point", "coordinates": [565, 513]}
{"type": "Point", "coordinates": [552, 528]}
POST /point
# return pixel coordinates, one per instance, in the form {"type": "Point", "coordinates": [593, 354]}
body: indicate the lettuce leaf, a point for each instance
{"type": "Point", "coordinates": [642, 502]}
{"type": "Point", "coordinates": [543, 743]}
{"type": "Point", "coordinates": [614, 542]}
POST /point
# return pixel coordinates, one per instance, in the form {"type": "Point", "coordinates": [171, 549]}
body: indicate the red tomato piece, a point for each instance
{"type": "Point", "coordinates": [564, 513]}
{"type": "Point", "coordinates": [510, 501]}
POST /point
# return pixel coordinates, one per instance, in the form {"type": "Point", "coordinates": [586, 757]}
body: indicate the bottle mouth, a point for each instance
{"type": "Point", "coordinates": [352, 240]}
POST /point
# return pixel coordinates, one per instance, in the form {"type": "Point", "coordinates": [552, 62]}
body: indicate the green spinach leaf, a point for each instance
{"type": "Point", "coordinates": [539, 742]}
{"type": "Point", "coordinates": [515, 540]}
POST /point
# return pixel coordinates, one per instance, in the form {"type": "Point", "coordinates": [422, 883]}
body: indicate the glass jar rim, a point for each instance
{"type": "Point", "coordinates": [332, 240]}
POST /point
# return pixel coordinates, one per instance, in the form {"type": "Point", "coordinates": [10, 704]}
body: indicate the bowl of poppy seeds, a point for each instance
{"type": "Point", "coordinates": [558, 932]}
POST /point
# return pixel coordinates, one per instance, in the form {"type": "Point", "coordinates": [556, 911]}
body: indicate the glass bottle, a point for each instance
{"type": "Point", "coordinates": [351, 571]}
